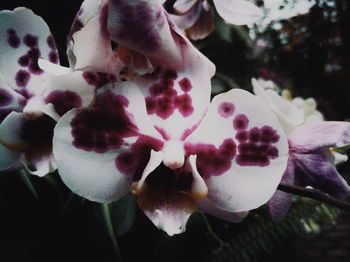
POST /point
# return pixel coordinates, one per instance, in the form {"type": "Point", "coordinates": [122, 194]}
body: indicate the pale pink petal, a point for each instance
{"type": "Point", "coordinates": [318, 135]}
{"type": "Point", "coordinates": [241, 151]}
{"type": "Point", "coordinates": [208, 207]}
{"type": "Point", "coordinates": [189, 18]}
{"type": "Point", "coordinates": [184, 6]}
{"type": "Point", "coordinates": [102, 150]}
{"type": "Point", "coordinates": [238, 12]}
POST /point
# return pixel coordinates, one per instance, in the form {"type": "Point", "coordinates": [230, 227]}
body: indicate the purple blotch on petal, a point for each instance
{"type": "Point", "coordinates": [63, 101]}
{"type": "Point", "coordinates": [226, 109]}
{"type": "Point", "coordinates": [184, 105]}
{"type": "Point", "coordinates": [22, 78]}
{"type": "Point", "coordinates": [240, 122]}
{"type": "Point", "coordinates": [256, 146]}
{"type": "Point", "coordinates": [30, 40]}
{"type": "Point", "coordinates": [134, 161]}
{"type": "Point", "coordinates": [53, 57]}
{"type": "Point", "coordinates": [12, 39]}
{"type": "Point", "coordinates": [92, 129]}
{"type": "Point", "coordinates": [103, 21]}
{"type": "Point", "coordinates": [212, 161]}
{"type": "Point", "coordinates": [23, 60]}
{"type": "Point", "coordinates": [143, 35]}
{"type": "Point", "coordinates": [5, 97]}
{"type": "Point", "coordinates": [51, 42]}
{"type": "Point", "coordinates": [98, 79]}
{"type": "Point", "coordinates": [185, 84]}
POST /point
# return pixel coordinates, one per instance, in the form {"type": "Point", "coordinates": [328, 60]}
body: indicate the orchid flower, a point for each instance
{"type": "Point", "coordinates": [35, 91]}
{"type": "Point", "coordinates": [159, 136]}
{"type": "Point", "coordinates": [196, 17]}
{"type": "Point", "coordinates": [232, 157]}
{"type": "Point", "coordinates": [311, 161]}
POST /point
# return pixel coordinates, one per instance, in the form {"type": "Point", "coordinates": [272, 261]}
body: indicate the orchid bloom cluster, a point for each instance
{"type": "Point", "coordinates": [133, 113]}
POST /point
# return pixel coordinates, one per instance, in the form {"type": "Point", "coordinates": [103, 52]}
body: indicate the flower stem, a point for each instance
{"type": "Point", "coordinates": [314, 194]}
{"type": "Point", "coordinates": [213, 234]}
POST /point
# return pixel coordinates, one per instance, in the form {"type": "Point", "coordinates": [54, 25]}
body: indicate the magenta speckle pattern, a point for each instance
{"type": "Point", "coordinates": [248, 146]}
{"type": "Point", "coordinates": [103, 126]}
{"type": "Point", "coordinates": [164, 99]}
{"type": "Point", "coordinates": [212, 161]}
{"type": "Point", "coordinates": [98, 79]}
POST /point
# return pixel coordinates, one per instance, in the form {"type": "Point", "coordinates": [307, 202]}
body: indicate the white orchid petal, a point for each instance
{"type": "Point", "coordinates": [238, 12]}
{"type": "Point", "coordinates": [109, 143]}
{"type": "Point", "coordinates": [241, 151]}
{"type": "Point", "coordinates": [208, 207]}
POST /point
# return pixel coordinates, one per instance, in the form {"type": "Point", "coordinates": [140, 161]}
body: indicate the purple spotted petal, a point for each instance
{"type": "Point", "coordinates": [177, 98]}
{"type": "Point", "coordinates": [24, 38]}
{"type": "Point", "coordinates": [317, 170]}
{"type": "Point", "coordinates": [241, 151]}
{"type": "Point", "coordinates": [110, 143]}
{"type": "Point", "coordinates": [280, 202]}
